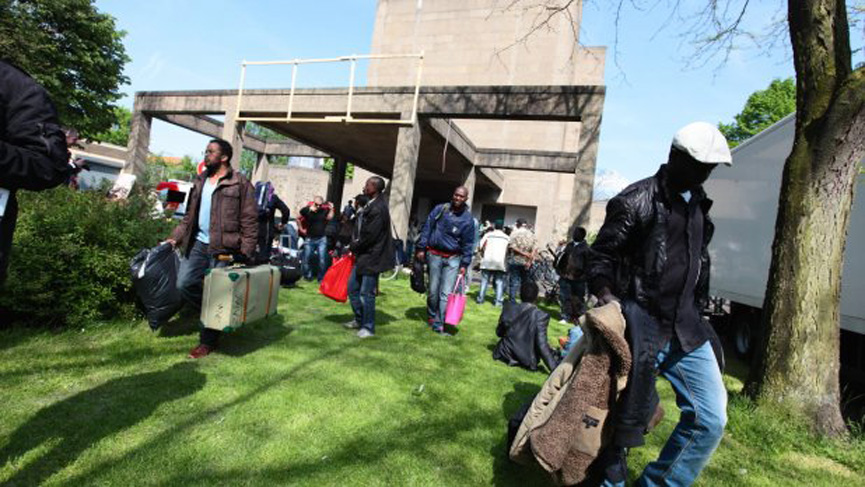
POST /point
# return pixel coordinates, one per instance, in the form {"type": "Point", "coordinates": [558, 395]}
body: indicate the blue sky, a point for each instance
{"type": "Point", "coordinates": [185, 44]}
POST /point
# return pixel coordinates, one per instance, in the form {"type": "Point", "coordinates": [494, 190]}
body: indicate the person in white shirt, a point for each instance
{"type": "Point", "coordinates": [494, 247]}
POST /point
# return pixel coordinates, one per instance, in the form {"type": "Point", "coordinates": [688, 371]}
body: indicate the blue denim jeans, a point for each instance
{"type": "Point", "coordinates": [516, 274]}
{"type": "Point", "coordinates": [361, 295]}
{"type": "Point", "coordinates": [190, 283]}
{"type": "Point", "coordinates": [498, 280]}
{"type": "Point", "coordinates": [443, 274]}
{"type": "Point", "coordinates": [318, 246]}
{"type": "Point", "coordinates": [702, 400]}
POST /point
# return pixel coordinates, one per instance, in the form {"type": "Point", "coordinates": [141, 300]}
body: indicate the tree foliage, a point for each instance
{"type": "Point", "coordinates": [74, 51]}
{"type": "Point", "coordinates": [763, 108]}
{"type": "Point", "coordinates": [118, 134]}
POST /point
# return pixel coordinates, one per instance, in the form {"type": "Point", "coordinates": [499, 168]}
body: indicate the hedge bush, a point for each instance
{"type": "Point", "coordinates": [70, 256]}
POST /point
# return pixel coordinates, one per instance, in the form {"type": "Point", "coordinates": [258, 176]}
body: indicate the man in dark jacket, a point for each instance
{"type": "Point", "coordinates": [446, 244]}
{"type": "Point", "coordinates": [269, 228]}
{"type": "Point", "coordinates": [373, 247]}
{"type": "Point", "coordinates": [571, 266]}
{"type": "Point", "coordinates": [221, 219]}
{"type": "Point", "coordinates": [652, 251]}
{"type": "Point", "coordinates": [523, 332]}
{"type": "Point", "coordinates": [33, 153]}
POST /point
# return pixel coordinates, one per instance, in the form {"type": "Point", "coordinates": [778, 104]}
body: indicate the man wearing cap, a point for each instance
{"type": "Point", "coordinates": [652, 254]}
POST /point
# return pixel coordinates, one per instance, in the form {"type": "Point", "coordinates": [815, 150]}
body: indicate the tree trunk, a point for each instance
{"type": "Point", "coordinates": [799, 363]}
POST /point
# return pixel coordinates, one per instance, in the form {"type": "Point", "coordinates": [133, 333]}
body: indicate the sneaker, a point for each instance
{"type": "Point", "coordinates": [352, 325]}
{"type": "Point", "coordinates": [200, 351]}
{"type": "Point", "coordinates": [564, 321]}
{"type": "Point", "coordinates": [364, 333]}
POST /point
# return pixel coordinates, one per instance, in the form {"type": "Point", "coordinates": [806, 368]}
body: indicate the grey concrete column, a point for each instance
{"type": "Point", "coordinates": [584, 175]}
{"type": "Point", "coordinates": [469, 183]}
{"type": "Point", "coordinates": [138, 146]}
{"type": "Point", "coordinates": [262, 169]}
{"type": "Point", "coordinates": [232, 132]}
{"type": "Point", "coordinates": [403, 180]}
{"type": "Point", "coordinates": [337, 182]}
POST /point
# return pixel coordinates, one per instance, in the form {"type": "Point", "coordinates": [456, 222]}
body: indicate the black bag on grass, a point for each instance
{"type": "Point", "coordinates": [290, 270]}
{"type": "Point", "coordinates": [154, 278]}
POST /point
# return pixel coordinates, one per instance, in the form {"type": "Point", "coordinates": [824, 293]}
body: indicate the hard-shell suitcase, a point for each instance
{"type": "Point", "coordinates": [235, 296]}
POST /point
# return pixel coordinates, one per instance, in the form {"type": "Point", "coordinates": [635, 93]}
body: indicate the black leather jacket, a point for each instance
{"type": "Point", "coordinates": [630, 251]}
{"type": "Point", "coordinates": [523, 332]}
{"type": "Point", "coordinates": [33, 153]}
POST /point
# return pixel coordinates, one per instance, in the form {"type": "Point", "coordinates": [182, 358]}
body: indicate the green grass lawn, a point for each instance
{"type": "Point", "coordinates": [298, 400]}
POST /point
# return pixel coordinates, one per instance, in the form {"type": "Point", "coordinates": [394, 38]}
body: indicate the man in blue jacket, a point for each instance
{"type": "Point", "coordinates": [446, 243]}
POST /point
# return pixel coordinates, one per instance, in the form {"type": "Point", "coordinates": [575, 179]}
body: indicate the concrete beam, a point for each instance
{"type": "Point", "coordinates": [565, 162]}
{"type": "Point", "coordinates": [138, 147]}
{"type": "Point", "coordinates": [337, 182]}
{"type": "Point", "coordinates": [495, 176]}
{"type": "Point", "coordinates": [214, 128]}
{"type": "Point", "coordinates": [554, 103]}
{"type": "Point", "coordinates": [403, 181]}
{"type": "Point", "coordinates": [455, 137]}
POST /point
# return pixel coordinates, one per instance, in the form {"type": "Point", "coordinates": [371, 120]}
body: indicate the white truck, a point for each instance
{"type": "Point", "coordinates": [746, 204]}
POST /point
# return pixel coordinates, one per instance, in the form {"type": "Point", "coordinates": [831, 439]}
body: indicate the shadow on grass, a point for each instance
{"type": "Point", "coordinates": [249, 339]}
{"type": "Point", "coordinates": [162, 439]}
{"type": "Point", "coordinates": [417, 313]}
{"type": "Point", "coordinates": [505, 471]}
{"type": "Point", "coordinates": [65, 429]}
{"type": "Point", "coordinates": [381, 318]}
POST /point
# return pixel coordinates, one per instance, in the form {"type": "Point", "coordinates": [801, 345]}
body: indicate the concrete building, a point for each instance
{"type": "Point", "coordinates": [523, 137]}
{"type": "Point", "coordinates": [486, 42]}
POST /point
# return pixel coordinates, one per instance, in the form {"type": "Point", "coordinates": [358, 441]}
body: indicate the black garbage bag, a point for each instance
{"type": "Point", "coordinates": [418, 283]}
{"type": "Point", "coordinates": [154, 278]}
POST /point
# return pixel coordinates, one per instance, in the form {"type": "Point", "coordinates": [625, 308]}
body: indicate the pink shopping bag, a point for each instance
{"type": "Point", "coordinates": [456, 304]}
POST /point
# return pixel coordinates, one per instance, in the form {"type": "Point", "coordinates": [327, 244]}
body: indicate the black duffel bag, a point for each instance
{"type": "Point", "coordinates": [290, 270]}
{"type": "Point", "coordinates": [154, 278]}
{"type": "Point", "coordinates": [418, 276]}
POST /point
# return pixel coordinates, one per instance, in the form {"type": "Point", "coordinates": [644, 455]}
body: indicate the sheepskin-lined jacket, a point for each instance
{"type": "Point", "coordinates": [567, 425]}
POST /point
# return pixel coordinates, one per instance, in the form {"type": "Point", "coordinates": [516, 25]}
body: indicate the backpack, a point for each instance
{"type": "Point", "coordinates": [571, 262]}
{"type": "Point", "coordinates": [263, 198]}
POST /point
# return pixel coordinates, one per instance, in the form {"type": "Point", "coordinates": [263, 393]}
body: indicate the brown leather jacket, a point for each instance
{"type": "Point", "coordinates": [233, 217]}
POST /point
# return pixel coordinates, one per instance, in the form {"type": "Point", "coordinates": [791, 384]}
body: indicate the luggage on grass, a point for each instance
{"type": "Point", "coordinates": [290, 268]}
{"type": "Point", "coordinates": [236, 296]}
{"type": "Point", "coordinates": [154, 278]}
{"type": "Point", "coordinates": [335, 282]}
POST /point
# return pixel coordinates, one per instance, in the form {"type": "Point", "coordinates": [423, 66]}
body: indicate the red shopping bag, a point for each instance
{"type": "Point", "coordinates": [456, 304]}
{"type": "Point", "coordinates": [335, 282]}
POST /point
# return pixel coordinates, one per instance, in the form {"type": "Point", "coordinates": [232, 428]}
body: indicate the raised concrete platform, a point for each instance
{"type": "Point", "coordinates": [412, 156]}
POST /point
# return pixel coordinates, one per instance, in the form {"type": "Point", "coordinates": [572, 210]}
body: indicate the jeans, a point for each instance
{"type": "Point", "coordinates": [572, 298]}
{"type": "Point", "coordinates": [190, 283]}
{"type": "Point", "coordinates": [319, 246]}
{"type": "Point", "coordinates": [702, 400]}
{"type": "Point", "coordinates": [361, 294]}
{"type": "Point", "coordinates": [498, 280]}
{"type": "Point", "coordinates": [443, 272]}
{"type": "Point", "coordinates": [517, 273]}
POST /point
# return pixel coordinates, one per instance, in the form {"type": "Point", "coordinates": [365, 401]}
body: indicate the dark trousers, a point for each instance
{"type": "Point", "coordinates": [190, 284]}
{"type": "Point", "coordinates": [572, 298]}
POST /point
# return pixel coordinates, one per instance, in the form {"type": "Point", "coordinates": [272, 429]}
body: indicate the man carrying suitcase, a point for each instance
{"type": "Point", "coordinates": [222, 219]}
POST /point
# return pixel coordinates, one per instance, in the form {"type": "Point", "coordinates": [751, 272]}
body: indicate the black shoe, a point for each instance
{"type": "Point", "coordinates": [614, 460]}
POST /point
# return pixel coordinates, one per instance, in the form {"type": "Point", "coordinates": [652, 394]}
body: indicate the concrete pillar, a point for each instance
{"type": "Point", "coordinates": [232, 132]}
{"type": "Point", "coordinates": [337, 182]}
{"type": "Point", "coordinates": [403, 180]}
{"type": "Point", "coordinates": [469, 183]}
{"type": "Point", "coordinates": [262, 169]}
{"type": "Point", "coordinates": [584, 175]}
{"type": "Point", "coordinates": [139, 142]}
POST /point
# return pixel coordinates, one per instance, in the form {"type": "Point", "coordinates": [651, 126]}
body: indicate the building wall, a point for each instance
{"type": "Point", "coordinates": [479, 42]}
{"type": "Point", "coordinates": [298, 185]}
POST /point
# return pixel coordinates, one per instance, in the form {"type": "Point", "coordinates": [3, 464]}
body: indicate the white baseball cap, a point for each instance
{"type": "Point", "coordinates": [704, 142]}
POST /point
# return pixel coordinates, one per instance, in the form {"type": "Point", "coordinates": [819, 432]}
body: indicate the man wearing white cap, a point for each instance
{"type": "Point", "coordinates": [652, 254]}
